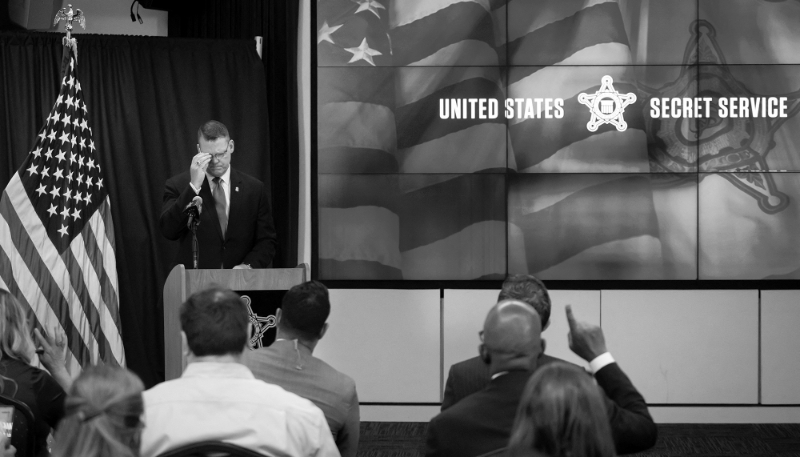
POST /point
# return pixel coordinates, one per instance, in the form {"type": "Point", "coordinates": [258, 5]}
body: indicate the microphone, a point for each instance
{"type": "Point", "coordinates": [194, 210]}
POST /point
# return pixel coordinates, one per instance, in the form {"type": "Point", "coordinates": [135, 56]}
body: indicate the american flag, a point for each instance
{"type": "Point", "coordinates": [57, 237]}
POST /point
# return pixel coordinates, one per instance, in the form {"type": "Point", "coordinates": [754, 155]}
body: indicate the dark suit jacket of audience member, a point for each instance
{"type": "Point", "coordinates": [632, 428]}
{"type": "Point", "coordinates": [250, 236]}
{"type": "Point", "coordinates": [332, 391]}
{"type": "Point", "coordinates": [479, 423]}
{"type": "Point", "coordinates": [472, 375]}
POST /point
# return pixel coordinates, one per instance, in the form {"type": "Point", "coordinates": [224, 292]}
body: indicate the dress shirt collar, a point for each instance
{"type": "Point", "coordinates": [217, 370]}
{"type": "Point", "coordinates": [225, 178]}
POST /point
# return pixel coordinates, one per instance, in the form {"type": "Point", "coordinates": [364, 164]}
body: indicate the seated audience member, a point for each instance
{"type": "Point", "coordinates": [218, 399]}
{"type": "Point", "coordinates": [103, 415]}
{"type": "Point", "coordinates": [471, 375]}
{"type": "Point", "coordinates": [288, 363]}
{"type": "Point", "coordinates": [561, 414]}
{"type": "Point", "coordinates": [511, 344]}
{"type": "Point", "coordinates": [42, 392]}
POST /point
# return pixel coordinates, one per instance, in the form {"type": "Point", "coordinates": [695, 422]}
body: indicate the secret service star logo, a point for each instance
{"type": "Point", "coordinates": [607, 105]}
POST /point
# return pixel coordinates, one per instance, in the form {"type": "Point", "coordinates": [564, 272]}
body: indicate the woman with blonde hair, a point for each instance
{"type": "Point", "coordinates": [561, 414]}
{"type": "Point", "coordinates": [103, 415]}
{"type": "Point", "coordinates": [41, 391]}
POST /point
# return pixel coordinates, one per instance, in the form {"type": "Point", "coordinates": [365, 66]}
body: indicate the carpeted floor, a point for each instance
{"type": "Point", "coordinates": [407, 439]}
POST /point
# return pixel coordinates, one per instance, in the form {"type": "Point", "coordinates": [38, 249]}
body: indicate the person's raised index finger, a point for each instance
{"type": "Point", "coordinates": [571, 317]}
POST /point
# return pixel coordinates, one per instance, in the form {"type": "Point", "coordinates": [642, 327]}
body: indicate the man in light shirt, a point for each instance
{"type": "Point", "coordinates": [218, 399]}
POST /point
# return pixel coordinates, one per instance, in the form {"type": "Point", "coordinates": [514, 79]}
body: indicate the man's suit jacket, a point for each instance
{"type": "Point", "coordinates": [479, 423]}
{"type": "Point", "coordinates": [332, 391]}
{"type": "Point", "coordinates": [250, 235]}
{"type": "Point", "coordinates": [632, 428]}
{"type": "Point", "coordinates": [472, 375]}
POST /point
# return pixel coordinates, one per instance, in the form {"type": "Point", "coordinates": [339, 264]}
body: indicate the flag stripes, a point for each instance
{"type": "Point", "coordinates": [30, 271]}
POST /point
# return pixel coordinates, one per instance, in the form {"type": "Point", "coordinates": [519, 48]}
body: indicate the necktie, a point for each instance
{"type": "Point", "coordinates": [220, 204]}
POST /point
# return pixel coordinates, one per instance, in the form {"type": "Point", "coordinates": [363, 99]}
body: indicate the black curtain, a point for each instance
{"type": "Point", "coordinates": [145, 97]}
{"type": "Point", "coordinates": [277, 22]}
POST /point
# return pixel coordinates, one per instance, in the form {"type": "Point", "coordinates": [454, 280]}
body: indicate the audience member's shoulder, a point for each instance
{"type": "Point", "coordinates": [472, 364]}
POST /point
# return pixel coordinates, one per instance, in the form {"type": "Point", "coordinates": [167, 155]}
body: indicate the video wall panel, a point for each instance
{"type": "Point", "coordinates": [632, 140]}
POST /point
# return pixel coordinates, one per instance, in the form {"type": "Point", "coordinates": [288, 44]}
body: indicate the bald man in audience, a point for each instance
{"type": "Point", "coordinates": [510, 344]}
{"type": "Point", "coordinates": [471, 375]}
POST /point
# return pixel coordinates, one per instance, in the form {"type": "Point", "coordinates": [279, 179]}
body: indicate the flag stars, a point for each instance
{"type": "Point", "coordinates": [59, 100]}
{"type": "Point", "coordinates": [45, 172]}
{"type": "Point", "coordinates": [41, 190]}
{"type": "Point", "coordinates": [91, 142]}
{"type": "Point", "coordinates": [53, 211]}
{"type": "Point", "coordinates": [89, 182]}
{"type": "Point", "coordinates": [72, 140]}
{"type": "Point", "coordinates": [83, 107]}
{"type": "Point", "coordinates": [325, 32]}
{"type": "Point", "coordinates": [76, 214]}
{"type": "Point", "coordinates": [42, 134]}
{"type": "Point", "coordinates": [54, 117]}
{"type": "Point", "coordinates": [88, 198]}
{"type": "Point", "coordinates": [65, 213]}
{"type": "Point", "coordinates": [83, 143]}
{"type": "Point", "coordinates": [32, 170]}
{"type": "Point", "coordinates": [55, 192]}
{"type": "Point", "coordinates": [84, 125]}
{"type": "Point", "coordinates": [363, 52]}
{"type": "Point", "coordinates": [61, 156]}
{"type": "Point", "coordinates": [70, 102]}
{"type": "Point", "coordinates": [58, 174]}
{"type": "Point", "coordinates": [66, 120]}
{"type": "Point", "coordinates": [75, 123]}
{"type": "Point", "coordinates": [52, 135]}
{"type": "Point", "coordinates": [369, 5]}
{"type": "Point", "coordinates": [77, 86]}
{"type": "Point", "coordinates": [64, 138]}
{"type": "Point", "coordinates": [71, 80]}
{"type": "Point", "coordinates": [99, 183]}
{"type": "Point", "coordinates": [72, 158]}
{"type": "Point", "coordinates": [37, 152]}
{"type": "Point", "coordinates": [80, 178]}
{"type": "Point", "coordinates": [63, 230]}
{"type": "Point", "coordinates": [80, 161]}
{"type": "Point", "coordinates": [90, 164]}
{"type": "Point", "coordinates": [69, 177]}
{"type": "Point", "coordinates": [49, 153]}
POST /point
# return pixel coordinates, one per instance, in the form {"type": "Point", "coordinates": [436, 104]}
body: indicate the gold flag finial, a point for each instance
{"type": "Point", "coordinates": [69, 16]}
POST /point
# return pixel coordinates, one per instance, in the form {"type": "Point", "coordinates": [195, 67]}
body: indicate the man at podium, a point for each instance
{"type": "Point", "coordinates": [236, 228]}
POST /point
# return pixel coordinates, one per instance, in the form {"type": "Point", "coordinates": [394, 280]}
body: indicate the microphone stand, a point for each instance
{"type": "Point", "coordinates": [194, 221]}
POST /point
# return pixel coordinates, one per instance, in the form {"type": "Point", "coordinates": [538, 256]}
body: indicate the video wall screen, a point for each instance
{"type": "Point", "coordinates": [574, 140]}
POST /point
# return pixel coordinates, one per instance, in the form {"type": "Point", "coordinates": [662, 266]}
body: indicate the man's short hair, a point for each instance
{"type": "Point", "coordinates": [305, 308]}
{"type": "Point", "coordinates": [529, 289]}
{"type": "Point", "coordinates": [212, 130]}
{"type": "Point", "coordinates": [215, 321]}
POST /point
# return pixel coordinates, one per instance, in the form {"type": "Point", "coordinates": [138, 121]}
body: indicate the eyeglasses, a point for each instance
{"type": "Point", "coordinates": [218, 156]}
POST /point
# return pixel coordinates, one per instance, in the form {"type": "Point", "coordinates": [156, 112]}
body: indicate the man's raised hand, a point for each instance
{"type": "Point", "coordinates": [585, 340]}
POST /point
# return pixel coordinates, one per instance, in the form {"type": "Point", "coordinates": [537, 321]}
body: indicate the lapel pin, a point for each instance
{"type": "Point", "coordinates": [237, 189]}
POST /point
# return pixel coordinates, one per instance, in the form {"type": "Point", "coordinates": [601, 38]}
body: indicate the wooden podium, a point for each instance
{"type": "Point", "coordinates": [181, 283]}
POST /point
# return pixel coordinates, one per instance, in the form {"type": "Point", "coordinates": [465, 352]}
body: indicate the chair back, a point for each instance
{"type": "Point", "coordinates": [211, 449]}
{"type": "Point", "coordinates": [23, 432]}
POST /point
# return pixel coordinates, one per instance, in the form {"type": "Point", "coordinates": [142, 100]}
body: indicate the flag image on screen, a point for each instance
{"type": "Point", "coordinates": [412, 226]}
{"type": "Point", "coordinates": [668, 197]}
{"type": "Point", "coordinates": [57, 254]}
